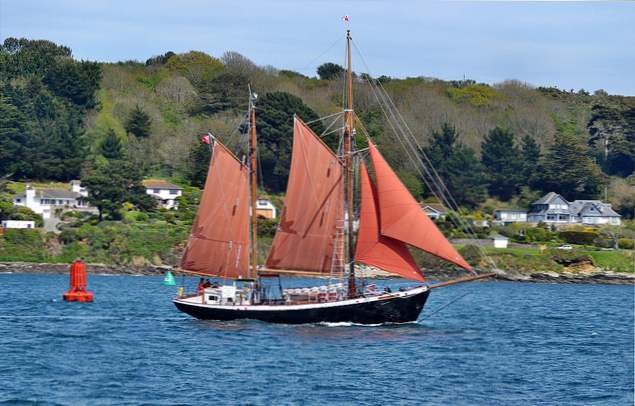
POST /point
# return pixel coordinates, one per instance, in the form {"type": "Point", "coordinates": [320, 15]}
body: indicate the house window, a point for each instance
{"type": "Point", "coordinates": [174, 192]}
{"type": "Point", "coordinates": [18, 200]}
{"type": "Point", "coordinates": [551, 217]}
{"type": "Point", "coordinates": [563, 217]}
{"type": "Point", "coordinates": [156, 190]}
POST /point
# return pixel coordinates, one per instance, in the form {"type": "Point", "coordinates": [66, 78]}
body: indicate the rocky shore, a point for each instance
{"type": "Point", "coordinates": [587, 277]}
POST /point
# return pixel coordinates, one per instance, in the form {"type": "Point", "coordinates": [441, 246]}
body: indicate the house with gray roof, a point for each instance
{"type": "Point", "coordinates": [555, 209]}
{"type": "Point", "coordinates": [45, 201]}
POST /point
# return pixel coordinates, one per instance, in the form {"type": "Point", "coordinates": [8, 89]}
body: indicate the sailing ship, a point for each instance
{"type": "Point", "coordinates": [315, 236]}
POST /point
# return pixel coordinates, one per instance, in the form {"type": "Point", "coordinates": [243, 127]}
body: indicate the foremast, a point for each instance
{"type": "Point", "coordinates": [348, 171]}
{"type": "Point", "coordinates": [253, 169]}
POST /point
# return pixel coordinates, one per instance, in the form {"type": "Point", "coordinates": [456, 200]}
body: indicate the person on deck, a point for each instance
{"type": "Point", "coordinates": [207, 284]}
{"type": "Point", "coordinates": [201, 285]}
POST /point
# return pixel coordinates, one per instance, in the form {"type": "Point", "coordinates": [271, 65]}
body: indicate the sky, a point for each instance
{"type": "Point", "coordinates": [568, 44]}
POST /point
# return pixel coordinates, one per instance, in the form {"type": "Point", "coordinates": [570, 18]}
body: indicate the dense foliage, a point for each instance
{"type": "Point", "coordinates": [114, 183]}
{"type": "Point", "coordinates": [57, 114]}
{"type": "Point", "coordinates": [457, 166]}
{"type": "Point", "coordinates": [275, 112]}
{"type": "Point", "coordinates": [44, 94]}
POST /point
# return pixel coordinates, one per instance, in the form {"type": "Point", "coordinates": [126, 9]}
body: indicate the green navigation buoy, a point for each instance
{"type": "Point", "coordinates": [169, 279]}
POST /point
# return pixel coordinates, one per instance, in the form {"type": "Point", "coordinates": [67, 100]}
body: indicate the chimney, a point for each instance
{"type": "Point", "coordinates": [29, 196]}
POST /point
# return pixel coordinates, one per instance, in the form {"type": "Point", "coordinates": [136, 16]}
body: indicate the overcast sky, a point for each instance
{"type": "Point", "coordinates": [571, 44]}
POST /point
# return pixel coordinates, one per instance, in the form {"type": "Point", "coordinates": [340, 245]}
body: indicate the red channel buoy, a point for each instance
{"type": "Point", "coordinates": [78, 292]}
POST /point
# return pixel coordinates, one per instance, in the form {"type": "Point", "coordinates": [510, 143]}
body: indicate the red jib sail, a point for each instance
{"type": "Point", "coordinates": [305, 237]}
{"type": "Point", "coordinates": [219, 242]}
{"type": "Point", "coordinates": [375, 249]}
{"type": "Point", "coordinates": [402, 218]}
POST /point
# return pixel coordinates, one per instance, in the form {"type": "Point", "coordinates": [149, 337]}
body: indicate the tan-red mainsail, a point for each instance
{"type": "Point", "coordinates": [402, 218]}
{"type": "Point", "coordinates": [313, 204]}
{"type": "Point", "coordinates": [219, 242]}
{"type": "Point", "coordinates": [375, 249]}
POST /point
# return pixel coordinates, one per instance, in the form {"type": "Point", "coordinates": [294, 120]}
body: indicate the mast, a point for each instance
{"type": "Point", "coordinates": [253, 172]}
{"type": "Point", "coordinates": [348, 168]}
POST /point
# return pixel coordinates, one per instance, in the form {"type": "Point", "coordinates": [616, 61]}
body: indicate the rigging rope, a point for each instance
{"type": "Point", "coordinates": [415, 153]}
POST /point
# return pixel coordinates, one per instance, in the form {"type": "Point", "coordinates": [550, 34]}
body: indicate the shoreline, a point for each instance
{"type": "Point", "coordinates": [602, 277]}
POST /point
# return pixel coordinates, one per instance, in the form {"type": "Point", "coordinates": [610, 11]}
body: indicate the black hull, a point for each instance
{"type": "Point", "coordinates": [392, 309]}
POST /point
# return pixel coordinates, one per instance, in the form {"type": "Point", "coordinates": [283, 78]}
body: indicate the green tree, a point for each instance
{"type": "Point", "coordinates": [530, 158]}
{"type": "Point", "coordinates": [411, 182]}
{"type": "Point", "coordinates": [457, 166]}
{"type": "Point", "coordinates": [612, 135]}
{"type": "Point", "coordinates": [14, 160]}
{"type": "Point", "coordinates": [75, 81]}
{"type": "Point", "coordinates": [111, 147]}
{"type": "Point", "coordinates": [568, 169]}
{"type": "Point", "coordinates": [500, 158]}
{"type": "Point", "coordinates": [138, 123]}
{"type": "Point", "coordinates": [328, 71]}
{"type": "Point", "coordinates": [198, 164]}
{"type": "Point", "coordinates": [114, 183]}
{"type": "Point", "coordinates": [225, 91]}
{"type": "Point", "coordinates": [274, 113]}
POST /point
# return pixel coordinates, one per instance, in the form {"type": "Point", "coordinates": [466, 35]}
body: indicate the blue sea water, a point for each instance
{"type": "Point", "coordinates": [503, 343]}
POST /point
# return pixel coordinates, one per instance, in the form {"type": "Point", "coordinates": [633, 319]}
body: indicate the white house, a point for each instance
{"type": "Point", "coordinates": [18, 224]}
{"type": "Point", "coordinates": [500, 241]}
{"type": "Point", "coordinates": [434, 211]}
{"type": "Point", "coordinates": [76, 186]}
{"type": "Point", "coordinates": [265, 209]}
{"type": "Point", "coordinates": [45, 201]}
{"type": "Point", "coordinates": [555, 209]}
{"type": "Point", "coordinates": [506, 217]}
{"type": "Point", "coordinates": [165, 192]}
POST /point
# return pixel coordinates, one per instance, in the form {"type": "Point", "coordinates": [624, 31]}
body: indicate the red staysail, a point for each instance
{"type": "Point", "coordinates": [306, 234]}
{"type": "Point", "coordinates": [219, 242]}
{"type": "Point", "coordinates": [402, 218]}
{"type": "Point", "coordinates": [375, 249]}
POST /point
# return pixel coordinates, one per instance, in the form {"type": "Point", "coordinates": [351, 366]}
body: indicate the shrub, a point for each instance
{"type": "Point", "coordinates": [569, 257]}
{"type": "Point", "coordinates": [472, 254]}
{"type": "Point", "coordinates": [578, 237]}
{"type": "Point", "coordinates": [266, 227]}
{"type": "Point", "coordinates": [626, 244]}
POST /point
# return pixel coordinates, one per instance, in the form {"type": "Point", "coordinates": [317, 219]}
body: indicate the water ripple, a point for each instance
{"type": "Point", "coordinates": [506, 343]}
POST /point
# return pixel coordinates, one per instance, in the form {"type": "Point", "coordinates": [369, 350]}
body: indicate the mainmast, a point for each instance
{"type": "Point", "coordinates": [253, 172]}
{"type": "Point", "coordinates": [348, 169]}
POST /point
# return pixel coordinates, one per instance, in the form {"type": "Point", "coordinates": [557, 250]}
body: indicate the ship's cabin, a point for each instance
{"type": "Point", "coordinates": [229, 294]}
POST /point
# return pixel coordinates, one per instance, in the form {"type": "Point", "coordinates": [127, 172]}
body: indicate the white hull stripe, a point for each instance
{"type": "Point", "coordinates": [196, 301]}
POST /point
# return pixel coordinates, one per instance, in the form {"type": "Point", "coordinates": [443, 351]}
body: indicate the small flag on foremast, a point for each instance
{"type": "Point", "coordinates": [206, 139]}
{"type": "Point", "coordinates": [345, 19]}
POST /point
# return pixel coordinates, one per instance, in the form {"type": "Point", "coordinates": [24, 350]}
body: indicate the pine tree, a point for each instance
{"type": "Point", "coordinates": [457, 166]}
{"type": "Point", "coordinates": [139, 123]}
{"type": "Point", "coordinates": [198, 164]}
{"type": "Point", "coordinates": [530, 158]}
{"type": "Point", "coordinates": [111, 185]}
{"type": "Point", "coordinates": [275, 113]}
{"type": "Point", "coordinates": [111, 147]}
{"type": "Point", "coordinates": [329, 70]}
{"type": "Point", "coordinates": [569, 170]}
{"type": "Point", "coordinates": [13, 141]}
{"type": "Point", "coordinates": [499, 156]}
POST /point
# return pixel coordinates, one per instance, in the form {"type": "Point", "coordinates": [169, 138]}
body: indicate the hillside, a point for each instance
{"type": "Point", "coordinates": [185, 95]}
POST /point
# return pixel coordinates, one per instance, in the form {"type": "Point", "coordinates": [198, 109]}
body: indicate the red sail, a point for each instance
{"type": "Point", "coordinates": [375, 249]}
{"type": "Point", "coordinates": [219, 242]}
{"type": "Point", "coordinates": [306, 234]}
{"type": "Point", "coordinates": [402, 218]}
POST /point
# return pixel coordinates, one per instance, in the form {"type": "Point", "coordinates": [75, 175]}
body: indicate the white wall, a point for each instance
{"type": "Point", "coordinates": [18, 224]}
{"type": "Point", "coordinates": [167, 197]}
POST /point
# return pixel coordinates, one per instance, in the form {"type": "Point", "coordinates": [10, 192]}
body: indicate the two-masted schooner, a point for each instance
{"type": "Point", "coordinates": [315, 236]}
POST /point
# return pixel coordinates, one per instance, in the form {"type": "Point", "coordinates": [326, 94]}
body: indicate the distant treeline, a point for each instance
{"type": "Point", "coordinates": [61, 119]}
